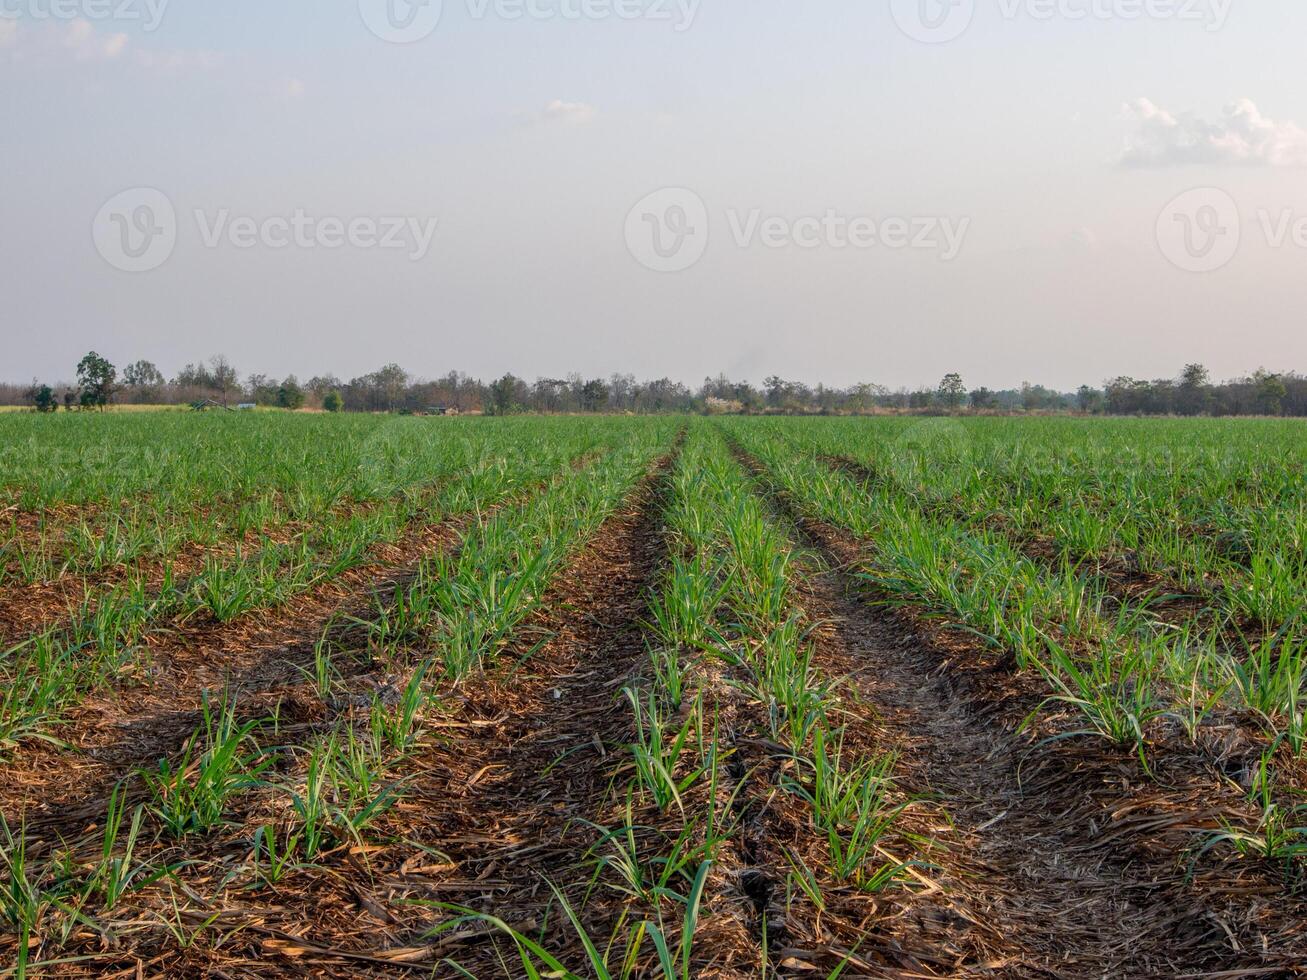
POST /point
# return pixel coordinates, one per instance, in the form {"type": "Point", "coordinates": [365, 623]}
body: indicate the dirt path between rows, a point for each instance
{"type": "Point", "coordinates": [494, 814]}
{"type": "Point", "coordinates": [33, 607]}
{"type": "Point", "coordinates": [512, 807]}
{"type": "Point", "coordinates": [258, 658]}
{"type": "Point", "coordinates": [1062, 859]}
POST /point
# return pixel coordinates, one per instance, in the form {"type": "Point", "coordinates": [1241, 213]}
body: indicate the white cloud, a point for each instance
{"type": "Point", "coordinates": [571, 113]}
{"type": "Point", "coordinates": [80, 37]}
{"type": "Point", "coordinates": [54, 43]}
{"type": "Point", "coordinates": [1241, 136]}
{"type": "Point", "coordinates": [166, 61]}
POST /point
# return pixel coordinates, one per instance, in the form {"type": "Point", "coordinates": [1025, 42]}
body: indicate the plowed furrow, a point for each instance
{"type": "Point", "coordinates": [1064, 860]}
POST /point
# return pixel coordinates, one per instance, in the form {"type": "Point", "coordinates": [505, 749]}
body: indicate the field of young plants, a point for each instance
{"type": "Point", "coordinates": [338, 696]}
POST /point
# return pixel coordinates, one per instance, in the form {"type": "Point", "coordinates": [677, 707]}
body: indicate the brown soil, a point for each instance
{"type": "Point", "coordinates": [26, 609]}
{"type": "Point", "coordinates": [1062, 859]}
{"type": "Point", "coordinates": [493, 810]}
{"type": "Point", "coordinates": [509, 806]}
{"type": "Point", "coordinates": [1058, 860]}
{"type": "Point", "coordinates": [258, 658]}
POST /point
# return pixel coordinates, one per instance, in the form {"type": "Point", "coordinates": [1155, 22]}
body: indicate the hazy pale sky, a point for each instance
{"type": "Point", "coordinates": [857, 194]}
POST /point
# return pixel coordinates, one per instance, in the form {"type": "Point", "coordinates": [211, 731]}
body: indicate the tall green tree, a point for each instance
{"type": "Point", "coordinates": [96, 378]}
{"type": "Point", "coordinates": [952, 391]}
{"type": "Point", "coordinates": [1269, 391]}
{"type": "Point", "coordinates": [144, 379]}
{"type": "Point", "coordinates": [594, 396]}
{"type": "Point", "coordinates": [290, 394]}
{"type": "Point", "coordinates": [506, 395]}
{"type": "Point", "coordinates": [1194, 394]}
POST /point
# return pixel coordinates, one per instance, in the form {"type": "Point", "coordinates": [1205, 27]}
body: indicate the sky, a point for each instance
{"type": "Point", "coordinates": [1058, 191]}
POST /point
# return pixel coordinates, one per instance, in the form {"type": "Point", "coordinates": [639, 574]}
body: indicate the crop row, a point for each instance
{"type": "Point", "coordinates": [285, 807]}
{"type": "Point", "coordinates": [50, 672]}
{"type": "Point", "coordinates": [1225, 520]}
{"type": "Point", "coordinates": [730, 711]}
{"type": "Point", "coordinates": [166, 500]}
{"type": "Point", "coordinates": [1128, 676]}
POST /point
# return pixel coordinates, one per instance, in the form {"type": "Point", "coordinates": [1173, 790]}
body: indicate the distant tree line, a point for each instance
{"type": "Point", "coordinates": [392, 389]}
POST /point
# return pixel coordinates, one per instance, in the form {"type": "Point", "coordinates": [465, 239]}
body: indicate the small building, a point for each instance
{"type": "Point", "coordinates": [246, 407]}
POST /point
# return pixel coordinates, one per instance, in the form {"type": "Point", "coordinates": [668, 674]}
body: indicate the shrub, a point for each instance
{"type": "Point", "coordinates": [42, 397]}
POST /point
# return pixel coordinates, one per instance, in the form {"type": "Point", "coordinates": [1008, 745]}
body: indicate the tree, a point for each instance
{"type": "Point", "coordinates": [549, 394]}
{"type": "Point", "coordinates": [332, 402]}
{"type": "Point", "coordinates": [1194, 394]}
{"type": "Point", "coordinates": [981, 399]}
{"type": "Point", "coordinates": [95, 378]}
{"type": "Point", "coordinates": [621, 391]}
{"type": "Point", "coordinates": [320, 385]}
{"type": "Point", "coordinates": [144, 379]}
{"type": "Point", "coordinates": [42, 397]}
{"type": "Point", "coordinates": [1036, 397]}
{"type": "Point", "coordinates": [594, 395]}
{"type": "Point", "coordinates": [952, 391]}
{"type": "Point", "coordinates": [224, 377]}
{"type": "Point", "coordinates": [194, 376]}
{"type": "Point", "coordinates": [1269, 392]}
{"type": "Point", "coordinates": [459, 389]}
{"type": "Point", "coordinates": [775, 387]}
{"type": "Point", "coordinates": [921, 398]}
{"type": "Point", "coordinates": [861, 396]}
{"type": "Point", "coordinates": [290, 394]}
{"type": "Point", "coordinates": [506, 395]}
{"type": "Point", "coordinates": [391, 381]}
{"type": "Point", "coordinates": [1195, 376]}
{"type": "Point", "coordinates": [263, 389]}
{"type": "Point", "coordinates": [1089, 399]}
